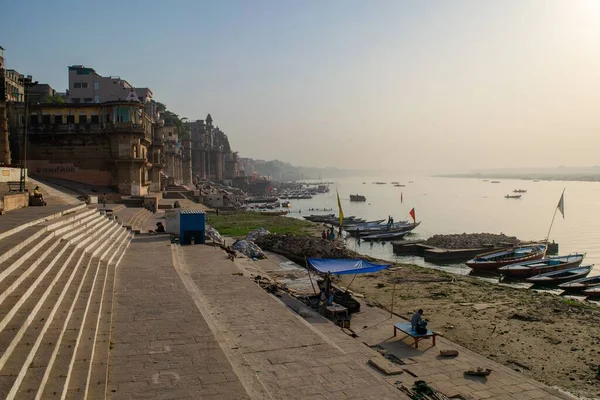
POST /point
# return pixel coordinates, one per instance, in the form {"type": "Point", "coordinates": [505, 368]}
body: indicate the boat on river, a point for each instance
{"type": "Point", "coordinates": [386, 236]}
{"type": "Point", "coordinates": [357, 197]}
{"type": "Point", "coordinates": [592, 292]}
{"type": "Point", "coordinates": [581, 284]}
{"type": "Point", "coordinates": [530, 268]}
{"type": "Point", "coordinates": [403, 226]}
{"type": "Point", "coordinates": [513, 196]}
{"type": "Point", "coordinates": [492, 261]}
{"type": "Point", "coordinates": [560, 276]}
{"type": "Point", "coordinates": [520, 191]}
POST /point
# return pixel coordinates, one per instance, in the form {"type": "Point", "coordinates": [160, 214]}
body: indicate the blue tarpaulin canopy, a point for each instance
{"type": "Point", "coordinates": [344, 266]}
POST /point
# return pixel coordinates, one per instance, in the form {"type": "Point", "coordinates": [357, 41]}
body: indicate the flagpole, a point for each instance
{"type": "Point", "coordinates": [552, 223]}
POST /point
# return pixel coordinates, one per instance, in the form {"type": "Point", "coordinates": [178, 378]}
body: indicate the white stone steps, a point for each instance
{"type": "Point", "coordinates": [27, 241]}
{"type": "Point", "coordinates": [29, 275]}
{"type": "Point", "coordinates": [97, 374]}
{"type": "Point", "coordinates": [32, 329]}
{"type": "Point", "coordinates": [61, 341]}
{"type": "Point", "coordinates": [31, 268]}
{"type": "Point", "coordinates": [81, 360]}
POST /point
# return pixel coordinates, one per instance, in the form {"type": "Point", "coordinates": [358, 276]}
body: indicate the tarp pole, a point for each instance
{"type": "Point", "coordinates": [309, 277]}
{"type": "Point", "coordinates": [394, 291]}
{"type": "Point", "coordinates": [350, 283]}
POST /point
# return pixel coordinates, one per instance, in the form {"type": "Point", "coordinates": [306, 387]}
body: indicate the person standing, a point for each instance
{"type": "Point", "coordinates": [104, 200]}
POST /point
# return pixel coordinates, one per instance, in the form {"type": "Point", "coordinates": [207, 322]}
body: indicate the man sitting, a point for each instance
{"type": "Point", "coordinates": [419, 325]}
{"type": "Point", "coordinates": [38, 194]}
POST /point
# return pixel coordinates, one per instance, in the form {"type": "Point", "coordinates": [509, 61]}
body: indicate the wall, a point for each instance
{"type": "Point", "coordinates": [11, 174]}
{"type": "Point", "coordinates": [11, 202]}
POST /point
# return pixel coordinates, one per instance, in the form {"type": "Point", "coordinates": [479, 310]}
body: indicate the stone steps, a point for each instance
{"type": "Point", "coordinates": [56, 305]}
{"type": "Point", "coordinates": [137, 223]}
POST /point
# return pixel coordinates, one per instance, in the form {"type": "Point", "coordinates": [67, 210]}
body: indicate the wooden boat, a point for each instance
{"type": "Point", "coordinates": [520, 191]}
{"type": "Point", "coordinates": [495, 182]}
{"type": "Point", "coordinates": [386, 236]}
{"type": "Point", "coordinates": [513, 196]}
{"type": "Point", "coordinates": [581, 284]}
{"type": "Point", "coordinates": [560, 276]}
{"type": "Point", "coordinates": [357, 197]}
{"type": "Point", "coordinates": [286, 204]}
{"type": "Point", "coordinates": [398, 185]}
{"type": "Point", "coordinates": [365, 225]}
{"type": "Point", "coordinates": [536, 267]}
{"type": "Point", "coordinates": [395, 183]}
{"type": "Point", "coordinates": [496, 259]}
{"type": "Point", "coordinates": [397, 227]}
{"type": "Point", "coordinates": [592, 292]}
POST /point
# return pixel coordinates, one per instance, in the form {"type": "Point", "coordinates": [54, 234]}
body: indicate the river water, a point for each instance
{"type": "Point", "coordinates": [457, 205]}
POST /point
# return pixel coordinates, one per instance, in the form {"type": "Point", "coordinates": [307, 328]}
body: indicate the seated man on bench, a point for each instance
{"type": "Point", "coordinates": [37, 194]}
{"type": "Point", "coordinates": [419, 325]}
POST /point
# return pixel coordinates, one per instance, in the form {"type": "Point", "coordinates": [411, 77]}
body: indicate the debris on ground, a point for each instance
{"type": "Point", "coordinates": [213, 234]}
{"type": "Point", "coordinates": [249, 249]}
{"type": "Point", "coordinates": [471, 240]}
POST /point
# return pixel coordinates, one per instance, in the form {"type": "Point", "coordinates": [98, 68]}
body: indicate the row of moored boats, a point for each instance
{"type": "Point", "coordinates": [368, 230]}
{"type": "Point", "coordinates": [529, 262]}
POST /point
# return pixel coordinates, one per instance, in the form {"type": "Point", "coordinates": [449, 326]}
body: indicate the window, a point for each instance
{"type": "Point", "coordinates": [95, 119]}
{"type": "Point", "coordinates": [87, 100]}
{"type": "Point", "coordinates": [83, 119]}
{"type": "Point", "coordinates": [96, 85]}
{"type": "Point", "coordinates": [107, 118]}
{"type": "Point", "coordinates": [21, 119]}
{"type": "Point", "coordinates": [76, 100]}
{"type": "Point", "coordinates": [46, 119]}
{"type": "Point", "coordinates": [70, 119]}
{"type": "Point", "coordinates": [97, 98]}
{"type": "Point", "coordinates": [84, 85]}
{"type": "Point", "coordinates": [33, 119]}
{"type": "Point", "coordinates": [58, 119]}
{"type": "Point", "coordinates": [77, 85]}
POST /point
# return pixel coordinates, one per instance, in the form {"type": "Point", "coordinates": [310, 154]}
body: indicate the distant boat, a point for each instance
{"type": "Point", "coordinates": [581, 284]}
{"type": "Point", "coordinates": [357, 197]}
{"type": "Point", "coordinates": [286, 204]}
{"type": "Point", "coordinates": [394, 183]}
{"type": "Point", "coordinates": [520, 191]}
{"type": "Point", "coordinates": [364, 183]}
{"type": "Point", "coordinates": [495, 182]}
{"type": "Point", "coordinates": [398, 185]}
{"type": "Point", "coordinates": [513, 196]}
{"type": "Point", "coordinates": [536, 267]}
{"type": "Point", "coordinates": [592, 292]}
{"type": "Point", "coordinates": [380, 183]}
{"type": "Point", "coordinates": [536, 180]}
{"type": "Point", "coordinates": [560, 276]}
{"type": "Point", "coordinates": [499, 258]}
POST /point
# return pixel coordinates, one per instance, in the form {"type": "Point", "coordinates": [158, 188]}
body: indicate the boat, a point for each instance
{"type": "Point", "coordinates": [495, 182]}
{"type": "Point", "coordinates": [361, 225]}
{"type": "Point", "coordinates": [581, 284]}
{"type": "Point", "coordinates": [398, 185]}
{"type": "Point", "coordinates": [536, 267]}
{"type": "Point", "coordinates": [563, 275]}
{"type": "Point", "coordinates": [286, 204]}
{"type": "Point", "coordinates": [496, 259]}
{"type": "Point", "coordinates": [395, 183]}
{"type": "Point", "coordinates": [397, 227]}
{"type": "Point", "coordinates": [386, 236]}
{"type": "Point", "coordinates": [357, 197]}
{"type": "Point", "coordinates": [592, 292]}
{"type": "Point", "coordinates": [520, 191]}
{"type": "Point", "coordinates": [261, 200]}
{"type": "Point", "coordinates": [513, 196]}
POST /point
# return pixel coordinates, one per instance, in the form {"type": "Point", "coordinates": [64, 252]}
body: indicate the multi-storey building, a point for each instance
{"type": "Point", "coordinates": [87, 86]}
{"type": "Point", "coordinates": [104, 144]}
{"type": "Point", "coordinates": [13, 86]}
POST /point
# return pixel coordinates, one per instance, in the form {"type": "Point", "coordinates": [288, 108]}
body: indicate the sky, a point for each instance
{"type": "Point", "coordinates": [423, 85]}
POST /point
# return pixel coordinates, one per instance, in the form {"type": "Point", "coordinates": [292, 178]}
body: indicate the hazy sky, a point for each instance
{"type": "Point", "coordinates": [404, 85]}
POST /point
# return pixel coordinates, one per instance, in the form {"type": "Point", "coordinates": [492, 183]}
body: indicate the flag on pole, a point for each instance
{"type": "Point", "coordinates": [340, 208]}
{"type": "Point", "coordinates": [401, 198]}
{"type": "Point", "coordinates": [412, 214]}
{"type": "Point", "coordinates": [561, 205]}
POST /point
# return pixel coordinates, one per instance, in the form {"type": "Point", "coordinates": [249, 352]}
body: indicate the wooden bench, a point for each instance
{"type": "Point", "coordinates": [14, 186]}
{"type": "Point", "coordinates": [407, 328]}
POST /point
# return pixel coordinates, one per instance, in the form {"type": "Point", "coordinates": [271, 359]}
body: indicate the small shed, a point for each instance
{"type": "Point", "coordinates": [192, 227]}
{"type": "Point", "coordinates": [172, 220]}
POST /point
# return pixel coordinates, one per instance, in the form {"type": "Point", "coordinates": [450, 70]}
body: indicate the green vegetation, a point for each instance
{"type": "Point", "coordinates": [171, 118]}
{"type": "Point", "coordinates": [56, 99]}
{"type": "Point", "coordinates": [575, 303]}
{"type": "Point", "coordinates": [240, 223]}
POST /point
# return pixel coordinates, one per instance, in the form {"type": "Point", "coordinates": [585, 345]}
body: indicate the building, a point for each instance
{"type": "Point", "coordinates": [212, 157]}
{"type": "Point", "coordinates": [105, 144]}
{"type": "Point", "coordinates": [40, 92]}
{"type": "Point", "coordinates": [1, 57]}
{"type": "Point", "coordinates": [13, 86]}
{"type": "Point", "coordinates": [87, 86]}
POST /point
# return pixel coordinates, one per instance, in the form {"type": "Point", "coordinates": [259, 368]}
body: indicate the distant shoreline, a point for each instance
{"type": "Point", "coordinates": [527, 177]}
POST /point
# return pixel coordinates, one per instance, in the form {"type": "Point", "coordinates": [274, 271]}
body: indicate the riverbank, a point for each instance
{"type": "Point", "coordinates": [552, 339]}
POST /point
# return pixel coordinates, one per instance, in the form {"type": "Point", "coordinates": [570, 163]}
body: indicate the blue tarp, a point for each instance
{"type": "Point", "coordinates": [343, 266]}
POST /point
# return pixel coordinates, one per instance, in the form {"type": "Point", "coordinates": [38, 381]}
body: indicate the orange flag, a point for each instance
{"type": "Point", "coordinates": [412, 214]}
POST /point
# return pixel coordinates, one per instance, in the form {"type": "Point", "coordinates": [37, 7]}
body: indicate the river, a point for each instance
{"type": "Point", "coordinates": [457, 205]}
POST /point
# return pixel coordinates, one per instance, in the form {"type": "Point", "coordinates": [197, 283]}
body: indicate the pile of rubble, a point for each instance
{"type": "Point", "coordinates": [471, 240]}
{"type": "Point", "coordinates": [295, 247]}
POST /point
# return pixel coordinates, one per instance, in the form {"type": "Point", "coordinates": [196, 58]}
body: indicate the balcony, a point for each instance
{"type": "Point", "coordinates": [126, 127]}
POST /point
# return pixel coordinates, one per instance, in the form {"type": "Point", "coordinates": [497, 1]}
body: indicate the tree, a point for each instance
{"type": "Point", "coordinates": [53, 99]}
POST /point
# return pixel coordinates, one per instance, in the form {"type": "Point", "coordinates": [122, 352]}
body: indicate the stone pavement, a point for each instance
{"type": "Point", "coordinates": [290, 358]}
{"type": "Point", "coordinates": [162, 348]}
{"type": "Point", "coordinates": [32, 215]}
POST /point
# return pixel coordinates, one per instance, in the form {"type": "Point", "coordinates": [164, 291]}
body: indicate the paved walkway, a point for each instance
{"type": "Point", "coordinates": [162, 348]}
{"type": "Point", "coordinates": [291, 359]}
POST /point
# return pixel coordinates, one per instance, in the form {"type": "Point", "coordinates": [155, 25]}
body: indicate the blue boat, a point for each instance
{"type": "Point", "coordinates": [560, 276]}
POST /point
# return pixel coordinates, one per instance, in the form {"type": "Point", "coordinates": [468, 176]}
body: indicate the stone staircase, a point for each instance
{"type": "Point", "coordinates": [56, 293]}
